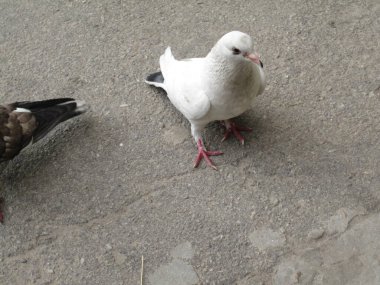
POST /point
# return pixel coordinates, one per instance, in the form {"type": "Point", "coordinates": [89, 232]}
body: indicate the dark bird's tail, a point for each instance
{"type": "Point", "coordinates": [49, 113]}
{"type": "Point", "coordinates": [156, 79]}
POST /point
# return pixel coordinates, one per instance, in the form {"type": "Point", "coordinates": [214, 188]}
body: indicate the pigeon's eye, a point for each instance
{"type": "Point", "coordinates": [236, 51]}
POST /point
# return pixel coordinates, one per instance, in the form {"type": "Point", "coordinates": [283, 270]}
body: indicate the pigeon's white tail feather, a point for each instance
{"type": "Point", "coordinates": [81, 106]}
{"type": "Point", "coordinates": [156, 84]}
{"type": "Point", "coordinates": [166, 60]}
{"type": "Point", "coordinates": [21, 110]}
{"type": "Point", "coordinates": [157, 79]}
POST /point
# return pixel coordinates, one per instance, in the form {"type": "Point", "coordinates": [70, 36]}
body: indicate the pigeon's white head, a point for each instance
{"type": "Point", "coordinates": [236, 46]}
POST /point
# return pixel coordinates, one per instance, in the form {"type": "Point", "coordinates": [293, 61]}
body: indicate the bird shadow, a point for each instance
{"type": "Point", "coordinates": [215, 131]}
{"type": "Point", "coordinates": [277, 144]}
{"type": "Point", "coordinates": [41, 154]}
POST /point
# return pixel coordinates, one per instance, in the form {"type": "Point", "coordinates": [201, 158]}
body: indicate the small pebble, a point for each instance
{"type": "Point", "coordinates": [274, 201]}
{"type": "Point", "coordinates": [315, 234]}
{"type": "Point", "coordinates": [266, 238]}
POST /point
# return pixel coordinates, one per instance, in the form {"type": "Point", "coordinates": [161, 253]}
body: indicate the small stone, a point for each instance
{"type": "Point", "coordinates": [218, 237]}
{"type": "Point", "coordinates": [339, 222]}
{"type": "Point", "coordinates": [332, 24]}
{"type": "Point", "coordinates": [176, 135]}
{"type": "Point", "coordinates": [108, 246]}
{"type": "Point", "coordinates": [82, 260]}
{"type": "Point", "coordinates": [49, 270]}
{"type": "Point", "coordinates": [315, 234]}
{"type": "Point", "coordinates": [119, 257]}
{"type": "Point", "coordinates": [341, 106]}
{"type": "Point", "coordinates": [301, 203]}
{"type": "Point", "coordinates": [266, 238]}
{"type": "Point", "coordinates": [273, 200]}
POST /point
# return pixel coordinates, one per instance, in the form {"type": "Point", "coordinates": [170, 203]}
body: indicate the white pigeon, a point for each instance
{"type": "Point", "coordinates": [220, 86]}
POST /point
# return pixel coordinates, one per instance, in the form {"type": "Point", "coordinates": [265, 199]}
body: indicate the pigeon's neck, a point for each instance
{"type": "Point", "coordinates": [227, 69]}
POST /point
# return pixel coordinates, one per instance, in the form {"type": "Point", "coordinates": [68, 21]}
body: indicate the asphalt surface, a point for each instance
{"type": "Point", "coordinates": [298, 204]}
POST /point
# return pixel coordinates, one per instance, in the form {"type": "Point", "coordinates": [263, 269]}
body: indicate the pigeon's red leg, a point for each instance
{"type": "Point", "coordinates": [232, 128]}
{"type": "Point", "coordinates": [203, 153]}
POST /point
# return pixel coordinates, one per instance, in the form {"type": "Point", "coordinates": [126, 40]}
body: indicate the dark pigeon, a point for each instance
{"type": "Point", "coordinates": [22, 123]}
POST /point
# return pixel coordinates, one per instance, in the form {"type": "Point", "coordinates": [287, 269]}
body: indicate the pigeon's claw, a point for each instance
{"type": "Point", "coordinates": [203, 153]}
{"type": "Point", "coordinates": [232, 128]}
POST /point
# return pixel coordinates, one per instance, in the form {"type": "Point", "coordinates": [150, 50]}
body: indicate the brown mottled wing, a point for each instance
{"type": "Point", "coordinates": [23, 122]}
{"type": "Point", "coordinates": [16, 131]}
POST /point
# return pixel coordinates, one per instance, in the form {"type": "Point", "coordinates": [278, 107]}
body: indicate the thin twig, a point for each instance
{"type": "Point", "coordinates": [142, 269]}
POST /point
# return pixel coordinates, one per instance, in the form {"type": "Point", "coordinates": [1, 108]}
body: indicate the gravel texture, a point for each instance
{"type": "Point", "coordinates": [84, 204]}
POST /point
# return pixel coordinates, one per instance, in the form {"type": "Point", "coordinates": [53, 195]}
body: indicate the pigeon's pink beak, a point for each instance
{"type": "Point", "coordinates": [253, 57]}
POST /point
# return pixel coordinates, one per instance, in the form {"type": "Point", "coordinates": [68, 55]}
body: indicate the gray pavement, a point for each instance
{"type": "Point", "coordinates": [298, 204]}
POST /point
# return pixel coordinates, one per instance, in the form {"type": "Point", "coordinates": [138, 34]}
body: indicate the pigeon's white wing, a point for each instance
{"type": "Point", "coordinates": [193, 107]}
{"type": "Point", "coordinates": [183, 83]}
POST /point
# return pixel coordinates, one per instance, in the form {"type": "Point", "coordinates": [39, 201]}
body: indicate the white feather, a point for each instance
{"type": "Point", "coordinates": [21, 110]}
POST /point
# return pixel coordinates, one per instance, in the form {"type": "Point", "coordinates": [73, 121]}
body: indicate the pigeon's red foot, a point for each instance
{"type": "Point", "coordinates": [232, 128]}
{"type": "Point", "coordinates": [203, 153]}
